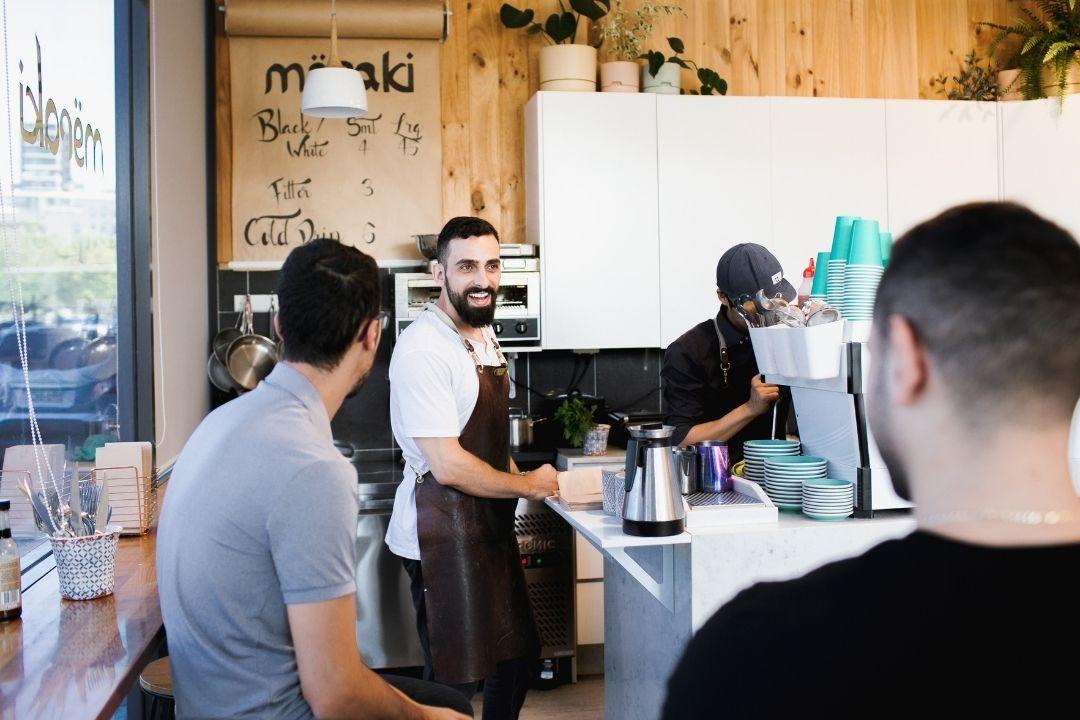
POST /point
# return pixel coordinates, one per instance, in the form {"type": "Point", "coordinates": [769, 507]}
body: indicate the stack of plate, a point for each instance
{"type": "Point", "coordinates": [828, 499]}
{"type": "Point", "coordinates": [860, 289]}
{"type": "Point", "coordinates": [834, 292]}
{"type": "Point", "coordinates": [755, 452]}
{"type": "Point", "coordinates": [785, 475]}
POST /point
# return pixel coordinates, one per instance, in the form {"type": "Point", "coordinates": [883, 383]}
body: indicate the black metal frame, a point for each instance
{"type": "Point", "coordinates": [135, 340]}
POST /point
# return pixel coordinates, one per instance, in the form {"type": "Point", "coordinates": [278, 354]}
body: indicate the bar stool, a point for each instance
{"type": "Point", "coordinates": [156, 681]}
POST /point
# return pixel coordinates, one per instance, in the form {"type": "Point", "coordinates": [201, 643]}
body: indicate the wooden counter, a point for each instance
{"type": "Point", "coordinates": [79, 659]}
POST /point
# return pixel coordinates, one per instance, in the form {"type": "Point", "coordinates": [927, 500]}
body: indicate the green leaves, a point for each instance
{"type": "Point", "coordinates": [561, 28]}
{"type": "Point", "coordinates": [1056, 49]}
{"type": "Point", "coordinates": [711, 82]}
{"type": "Point", "coordinates": [676, 45]}
{"type": "Point", "coordinates": [656, 61]}
{"type": "Point", "coordinates": [592, 9]}
{"type": "Point", "coordinates": [513, 18]}
{"type": "Point", "coordinates": [576, 418]}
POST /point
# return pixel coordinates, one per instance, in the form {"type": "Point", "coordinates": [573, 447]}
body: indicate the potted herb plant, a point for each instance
{"type": "Point", "coordinates": [563, 64]}
{"type": "Point", "coordinates": [972, 82]}
{"type": "Point", "coordinates": [1049, 43]}
{"type": "Point", "coordinates": [623, 35]}
{"type": "Point", "coordinates": [576, 419]}
{"type": "Point", "coordinates": [662, 75]}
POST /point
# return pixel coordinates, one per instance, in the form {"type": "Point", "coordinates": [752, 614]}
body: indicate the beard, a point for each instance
{"type": "Point", "coordinates": [359, 384]}
{"type": "Point", "coordinates": [476, 317]}
{"type": "Point", "coordinates": [882, 426]}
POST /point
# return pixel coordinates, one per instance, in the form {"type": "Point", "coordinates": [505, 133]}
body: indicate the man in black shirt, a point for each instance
{"type": "Point", "coordinates": [710, 381]}
{"type": "Point", "coordinates": [975, 613]}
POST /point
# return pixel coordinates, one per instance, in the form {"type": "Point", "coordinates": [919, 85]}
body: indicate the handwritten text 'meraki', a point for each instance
{"type": "Point", "coordinates": [388, 80]}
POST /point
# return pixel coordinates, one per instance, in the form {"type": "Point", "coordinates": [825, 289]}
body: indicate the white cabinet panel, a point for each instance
{"type": "Point", "coordinates": [713, 158]}
{"type": "Point", "coordinates": [940, 154]}
{"type": "Point", "coordinates": [1040, 148]}
{"type": "Point", "coordinates": [596, 195]}
{"type": "Point", "coordinates": [828, 159]}
{"type": "Point", "coordinates": [589, 561]}
{"type": "Point", "coordinates": [589, 606]}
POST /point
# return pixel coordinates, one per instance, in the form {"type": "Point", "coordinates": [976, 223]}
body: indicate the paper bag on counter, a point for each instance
{"type": "Point", "coordinates": [579, 489]}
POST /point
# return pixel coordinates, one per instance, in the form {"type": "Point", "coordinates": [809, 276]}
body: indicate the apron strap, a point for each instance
{"type": "Point", "coordinates": [725, 356]}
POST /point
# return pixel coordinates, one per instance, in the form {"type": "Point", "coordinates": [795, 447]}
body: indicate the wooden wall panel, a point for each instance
{"type": "Point", "coordinates": [832, 48]}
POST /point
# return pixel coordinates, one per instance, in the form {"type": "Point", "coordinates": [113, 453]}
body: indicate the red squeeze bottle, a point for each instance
{"type": "Point", "coordinates": [807, 283]}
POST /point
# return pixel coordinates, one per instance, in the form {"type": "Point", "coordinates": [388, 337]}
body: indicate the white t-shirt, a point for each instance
{"type": "Point", "coordinates": [433, 390]}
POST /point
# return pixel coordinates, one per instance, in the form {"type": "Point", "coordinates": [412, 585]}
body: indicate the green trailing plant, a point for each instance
{"type": "Point", "coordinates": [576, 418]}
{"type": "Point", "coordinates": [972, 82]}
{"type": "Point", "coordinates": [1048, 39]}
{"type": "Point", "coordinates": [624, 33]}
{"type": "Point", "coordinates": [560, 27]}
{"type": "Point", "coordinates": [710, 80]}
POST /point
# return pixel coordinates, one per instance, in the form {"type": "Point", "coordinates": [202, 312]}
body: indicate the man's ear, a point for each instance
{"type": "Point", "coordinates": [908, 365]}
{"type": "Point", "coordinates": [723, 298]}
{"type": "Point", "coordinates": [438, 272]}
{"type": "Point", "coordinates": [371, 335]}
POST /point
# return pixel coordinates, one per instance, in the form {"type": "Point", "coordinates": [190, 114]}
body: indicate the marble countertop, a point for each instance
{"type": "Point", "coordinates": [605, 531]}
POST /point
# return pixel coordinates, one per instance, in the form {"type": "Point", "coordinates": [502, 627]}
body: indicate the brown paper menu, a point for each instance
{"type": "Point", "coordinates": [355, 18]}
{"type": "Point", "coordinates": [371, 182]}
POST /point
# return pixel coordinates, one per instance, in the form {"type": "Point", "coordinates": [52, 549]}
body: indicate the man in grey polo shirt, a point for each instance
{"type": "Point", "coordinates": [256, 549]}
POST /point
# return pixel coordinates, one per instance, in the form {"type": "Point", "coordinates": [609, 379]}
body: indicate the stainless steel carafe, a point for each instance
{"type": "Point", "coordinates": [653, 506]}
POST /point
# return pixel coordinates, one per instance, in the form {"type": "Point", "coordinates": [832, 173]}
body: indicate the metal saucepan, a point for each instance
{"type": "Point", "coordinates": [224, 338]}
{"type": "Point", "coordinates": [521, 428]}
{"type": "Point", "coordinates": [427, 245]}
{"type": "Point", "coordinates": [250, 358]}
{"type": "Point", "coordinates": [219, 375]}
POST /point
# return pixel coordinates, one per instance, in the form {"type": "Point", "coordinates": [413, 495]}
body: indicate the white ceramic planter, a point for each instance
{"type": "Point", "coordinates": [666, 82]}
{"type": "Point", "coordinates": [568, 68]}
{"type": "Point", "coordinates": [620, 76]}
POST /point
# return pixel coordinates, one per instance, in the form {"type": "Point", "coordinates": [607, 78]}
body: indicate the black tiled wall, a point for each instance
{"type": "Point", "coordinates": [629, 380]}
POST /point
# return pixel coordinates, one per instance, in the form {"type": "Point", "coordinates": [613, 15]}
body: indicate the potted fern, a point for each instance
{"type": "Point", "coordinates": [563, 64]}
{"type": "Point", "coordinates": [623, 36]}
{"type": "Point", "coordinates": [1049, 42]}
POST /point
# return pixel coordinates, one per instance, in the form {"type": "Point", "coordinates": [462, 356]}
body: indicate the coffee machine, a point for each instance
{"type": "Point", "coordinates": [654, 505]}
{"type": "Point", "coordinates": [831, 414]}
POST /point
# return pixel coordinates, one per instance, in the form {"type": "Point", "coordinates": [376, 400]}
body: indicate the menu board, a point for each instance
{"type": "Point", "coordinates": [370, 182]}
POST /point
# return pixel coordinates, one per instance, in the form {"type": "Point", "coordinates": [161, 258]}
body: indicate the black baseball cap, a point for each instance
{"type": "Point", "coordinates": [749, 267]}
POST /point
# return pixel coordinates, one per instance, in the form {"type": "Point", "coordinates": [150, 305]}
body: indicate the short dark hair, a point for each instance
{"type": "Point", "coordinates": [459, 228]}
{"type": "Point", "coordinates": [327, 291]}
{"type": "Point", "coordinates": [992, 291]}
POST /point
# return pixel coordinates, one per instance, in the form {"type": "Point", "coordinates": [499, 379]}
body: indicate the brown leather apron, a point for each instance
{"type": "Point", "coordinates": [477, 603]}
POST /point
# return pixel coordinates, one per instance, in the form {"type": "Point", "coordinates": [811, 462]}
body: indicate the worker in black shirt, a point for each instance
{"type": "Point", "coordinates": [711, 386]}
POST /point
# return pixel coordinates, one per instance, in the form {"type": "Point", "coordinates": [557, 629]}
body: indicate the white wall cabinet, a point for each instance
{"type": "Point", "coordinates": [1041, 157]}
{"type": "Point", "coordinates": [633, 198]}
{"type": "Point", "coordinates": [828, 159]}
{"type": "Point", "coordinates": [591, 179]}
{"type": "Point", "coordinates": [713, 160]}
{"type": "Point", "coordinates": [940, 154]}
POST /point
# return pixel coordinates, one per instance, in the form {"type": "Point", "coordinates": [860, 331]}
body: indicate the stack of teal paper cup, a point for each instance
{"type": "Point", "coordinates": [886, 248]}
{"type": "Point", "coordinates": [863, 271]}
{"type": "Point", "coordinates": [820, 288]}
{"type": "Point", "coordinates": [841, 246]}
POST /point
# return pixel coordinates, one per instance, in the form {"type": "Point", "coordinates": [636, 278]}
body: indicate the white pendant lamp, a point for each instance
{"type": "Point", "coordinates": [334, 91]}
